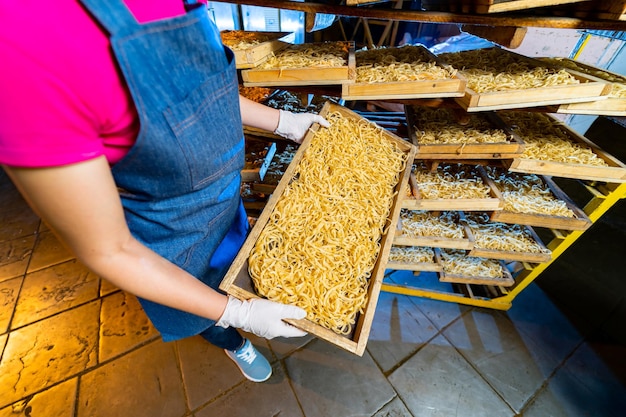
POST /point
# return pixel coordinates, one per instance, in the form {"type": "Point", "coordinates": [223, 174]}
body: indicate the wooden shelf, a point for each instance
{"type": "Point", "coordinates": [517, 19]}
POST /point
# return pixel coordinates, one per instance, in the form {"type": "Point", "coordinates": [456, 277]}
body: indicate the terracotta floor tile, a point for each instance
{"type": "Point", "coordinates": [9, 291]}
{"type": "Point", "coordinates": [123, 325]}
{"type": "Point", "coordinates": [51, 290]}
{"type": "Point", "coordinates": [49, 351]}
{"type": "Point", "coordinates": [15, 256]}
{"type": "Point", "coordinates": [143, 383]}
{"type": "Point", "coordinates": [57, 401]}
{"type": "Point", "coordinates": [48, 251]}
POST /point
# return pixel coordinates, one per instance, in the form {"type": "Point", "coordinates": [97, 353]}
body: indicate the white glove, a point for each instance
{"type": "Point", "coordinates": [295, 125]}
{"type": "Point", "coordinates": [262, 317]}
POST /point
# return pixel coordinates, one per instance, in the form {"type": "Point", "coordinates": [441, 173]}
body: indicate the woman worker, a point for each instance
{"type": "Point", "coordinates": [121, 125]}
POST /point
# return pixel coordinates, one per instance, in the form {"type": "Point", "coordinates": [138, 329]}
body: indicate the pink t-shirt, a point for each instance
{"type": "Point", "coordinates": [62, 98]}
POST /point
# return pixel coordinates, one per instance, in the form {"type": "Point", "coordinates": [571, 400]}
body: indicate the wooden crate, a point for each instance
{"type": "Point", "coordinates": [238, 282]}
{"type": "Point", "coordinates": [415, 266]}
{"type": "Point", "coordinates": [451, 151]}
{"type": "Point", "coordinates": [259, 155]}
{"type": "Point", "coordinates": [535, 257]}
{"type": "Point", "coordinates": [587, 90]}
{"type": "Point", "coordinates": [454, 86]}
{"type": "Point", "coordinates": [505, 281]}
{"type": "Point", "coordinates": [613, 105]}
{"type": "Point", "coordinates": [580, 220]}
{"type": "Point", "coordinates": [491, 203]}
{"type": "Point", "coordinates": [615, 171]}
{"type": "Point", "coordinates": [253, 55]}
{"type": "Point", "coordinates": [303, 76]}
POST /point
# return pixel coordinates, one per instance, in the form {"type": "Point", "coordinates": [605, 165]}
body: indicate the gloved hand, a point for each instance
{"type": "Point", "coordinates": [295, 125]}
{"type": "Point", "coordinates": [261, 317]}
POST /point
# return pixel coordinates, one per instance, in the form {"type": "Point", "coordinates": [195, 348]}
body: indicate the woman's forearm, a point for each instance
{"type": "Point", "coordinates": [257, 115]}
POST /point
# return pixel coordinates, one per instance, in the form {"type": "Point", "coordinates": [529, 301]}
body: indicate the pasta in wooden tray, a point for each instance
{"type": "Point", "coordinates": [450, 181]}
{"type": "Point", "coordinates": [407, 63]}
{"type": "Point", "coordinates": [527, 193]}
{"type": "Point", "coordinates": [405, 72]}
{"type": "Point", "coordinates": [545, 139]}
{"type": "Point", "coordinates": [494, 69]}
{"type": "Point", "coordinates": [619, 81]}
{"type": "Point", "coordinates": [436, 229]}
{"type": "Point", "coordinates": [252, 48]}
{"type": "Point", "coordinates": [535, 200]}
{"type": "Point", "coordinates": [411, 254]}
{"type": "Point", "coordinates": [438, 126]}
{"type": "Point", "coordinates": [319, 63]}
{"type": "Point", "coordinates": [451, 186]}
{"type": "Point", "coordinates": [316, 55]}
{"type": "Point", "coordinates": [424, 223]}
{"type": "Point", "coordinates": [552, 148]}
{"type": "Point", "coordinates": [492, 74]}
{"type": "Point", "coordinates": [438, 135]}
{"type": "Point", "coordinates": [322, 240]}
{"type": "Point", "coordinates": [461, 268]}
{"type": "Point", "coordinates": [504, 241]}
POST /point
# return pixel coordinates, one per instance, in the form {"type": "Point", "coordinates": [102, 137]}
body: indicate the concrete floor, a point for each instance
{"type": "Point", "coordinates": [72, 345]}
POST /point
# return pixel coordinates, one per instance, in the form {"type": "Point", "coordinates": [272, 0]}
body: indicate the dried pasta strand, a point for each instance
{"type": "Point", "coordinates": [318, 55]}
{"type": "Point", "coordinates": [545, 140]}
{"type": "Point", "coordinates": [493, 69]}
{"type": "Point", "coordinates": [320, 245]}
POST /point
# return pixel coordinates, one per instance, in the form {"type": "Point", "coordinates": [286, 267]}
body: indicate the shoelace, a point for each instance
{"type": "Point", "coordinates": [248, 355]}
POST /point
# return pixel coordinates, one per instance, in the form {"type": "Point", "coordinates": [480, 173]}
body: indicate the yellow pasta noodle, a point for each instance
{"type": "Point", "coordinates": [456, 262]}
{"type": "Point", "coordinates": [544, 139]}
{"type": "Point", "coordinates": [493, 69]}
{"type": "Point", "coordinates": [319, 55]}
{"type": "Point", "coordinates": [407, 63]}
{"type": "Point", "coordinates": [321, 242]}
{"type": "Point", "coordinates": [527, 193]}
{"type": "Point", "coordinates": [453, 181]}
{"type": "Point", "coordinates": [500, 236]}
{"type": "Point", "coordinates": [411, 254]}
{"type": "Point", "coordinates": [438, 126]}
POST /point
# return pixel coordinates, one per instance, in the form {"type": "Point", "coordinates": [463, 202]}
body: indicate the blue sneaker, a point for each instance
{"type": "Point", "coordinates": [251, 363]}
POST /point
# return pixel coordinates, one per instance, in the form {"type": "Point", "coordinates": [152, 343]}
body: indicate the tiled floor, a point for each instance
{"type": "Point", "coordinates": [72, 345]}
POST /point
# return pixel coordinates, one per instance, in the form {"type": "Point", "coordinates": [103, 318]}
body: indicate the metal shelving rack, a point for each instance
{"type": "Point", "coordinates": [602, 196]}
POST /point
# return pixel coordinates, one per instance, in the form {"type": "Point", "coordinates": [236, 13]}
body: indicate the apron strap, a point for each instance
{"type": "Point", "coordinates": [114, 15]}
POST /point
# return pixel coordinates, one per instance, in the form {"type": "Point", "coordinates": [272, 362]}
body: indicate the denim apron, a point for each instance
{"type": "Point", "coordinates": [180, 181]}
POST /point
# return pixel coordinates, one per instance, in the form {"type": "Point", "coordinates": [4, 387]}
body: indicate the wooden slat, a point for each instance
{"type": "Point", "coordinates": [507, 36]}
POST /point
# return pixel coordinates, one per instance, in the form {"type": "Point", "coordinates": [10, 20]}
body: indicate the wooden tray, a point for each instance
{"type": "Point", "coordinates": [491, 203]}
{"type": "Point", "coordinates": [259, 155]}
{"type": "Point", "coordinates": [464, 243]}
{"type": "Point", "coordinates": [506, 280]}
{"type": "Point", "coordinates": [254, 55]}
{"type": "Point", "coordinates": [534, 257]}
{"type": "Point", "coordinates": [611, 106]}
{"type": "Point", "coordinates": [445, 87]}
{"type": "Point", "coordinates": [451, 151]}
{"type": "Point", "coordinates": [415, 266]}
{"type": "Point", "coordinates": [614, 172]}
{"type": "Point", "coordinates": [589, 89]}
{"type": "Point", "coordinates": [238, 282]}
{"type": "Point", "coordinates": [580, 221]}
{"type": "Point", "coordinates": [302, 76]}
